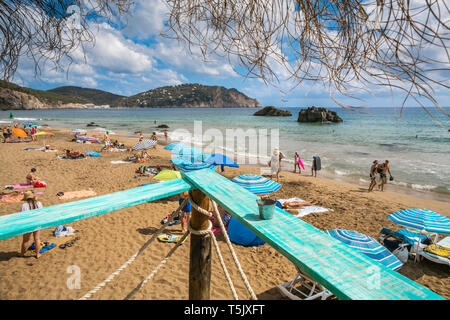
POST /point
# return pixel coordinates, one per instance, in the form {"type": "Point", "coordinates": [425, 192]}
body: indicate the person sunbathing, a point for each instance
{"type": "Point", "coordinates": [296, 204]}
{"type": "Point", "coordinates": [73, 155]}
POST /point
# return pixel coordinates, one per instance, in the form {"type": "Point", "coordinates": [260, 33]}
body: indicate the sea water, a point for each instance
{"type": "Point", "coordinates": [417, 147]}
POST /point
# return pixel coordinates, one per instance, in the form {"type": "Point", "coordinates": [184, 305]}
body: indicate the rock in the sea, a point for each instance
{"type": "Point", "coordinates": [314, 114]}
{"type": "Point", "coordinates": [92, 124]}
{"type": "Point", "coordinates": [163, 126]}
{"type": "Point", "coordinates": [271, 111]}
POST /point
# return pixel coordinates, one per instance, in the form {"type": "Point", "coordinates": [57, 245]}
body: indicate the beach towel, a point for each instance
{"type": "Point", "coordinates": [301, 212]}
{"type": "Point", "coordinates": [77, 194]}
{"type": "Point", "coordinates": [438, 250]}
{"type": "Point", "coordinates": [45, 246]}
{"type": "Point", "coordinates": [121, 161]}
{"type": "Point", "coordinates": [92, 154]}
{"type": "Point", "coordinates": [40, 184]}
{"type": "Point", "coordinates": [318, 163]}
{"type": "Point", "coordinates": [12, 198]}
{"type": "Point", "coordinates": [62, 231]}
{"type": "Point", "coordinates": [18, 186]}
{"type": "Point", "coordinates": [34, 148]}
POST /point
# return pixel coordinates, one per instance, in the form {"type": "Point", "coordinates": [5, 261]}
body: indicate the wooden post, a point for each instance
{"type": "Point", "coordinates": [200, 252]}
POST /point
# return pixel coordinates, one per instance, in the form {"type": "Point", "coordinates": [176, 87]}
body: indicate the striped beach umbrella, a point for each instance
{"type": "Point", "coordinates": [366, 245]}
{"type": "Point", "coordinates": [190, 163]}
{"type": "Point", "coordinates": [256, 184]}
{"type": "Point", "coordinates": [173, 145]}
{"type": "Point", "coordinates": [422, 219]}
{"type": "Point", "coordinates": [184, 150]}
{"type": "Point", "coordinates": [196, 166]}
{"type": "Point", "coordinates": [144, 145]}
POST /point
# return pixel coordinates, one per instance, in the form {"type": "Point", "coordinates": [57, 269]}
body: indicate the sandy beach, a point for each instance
{"type": "Point", "coordinates": [107, 241]}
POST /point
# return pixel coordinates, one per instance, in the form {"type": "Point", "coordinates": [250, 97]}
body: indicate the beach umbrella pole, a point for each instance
{"type": "Point", "coordinates": [200, 251]}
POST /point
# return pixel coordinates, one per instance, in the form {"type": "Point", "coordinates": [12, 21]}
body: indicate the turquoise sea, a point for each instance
{"type": "Point", "coordinates": [347, 150]}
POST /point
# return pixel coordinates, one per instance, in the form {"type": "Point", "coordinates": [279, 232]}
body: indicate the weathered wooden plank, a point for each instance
{"type": "Point", "coordinates": [23, 222]}
{"type": "Point", "coordinates": [347, 273]}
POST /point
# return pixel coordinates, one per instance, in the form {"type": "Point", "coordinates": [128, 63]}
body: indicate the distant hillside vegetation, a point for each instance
{"type": "Point", "coordinates": [44, 96]}
{"type": "Point", "coordinates": [15, 97]}
{"type": "Point", "coordinates": [190, 96]}
{"type": "Point", "coordinates": [86, 95]}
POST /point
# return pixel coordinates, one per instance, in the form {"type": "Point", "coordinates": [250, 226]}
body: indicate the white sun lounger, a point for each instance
{"type": "Point", "coordinates": [303, 288]}
{"type": "Point", "coordinates": [435, 258]}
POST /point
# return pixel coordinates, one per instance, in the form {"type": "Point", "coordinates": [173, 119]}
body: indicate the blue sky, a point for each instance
{"type": "Point", "coordinates": [135, 58]}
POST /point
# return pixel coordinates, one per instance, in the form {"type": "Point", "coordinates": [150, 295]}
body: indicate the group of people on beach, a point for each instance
{"type": "Point", "coordinates": [277, 156]}
{"type": "Point", "coordinates": [379, 170]}
{"type": "Point", "coordinates": [30, 130]}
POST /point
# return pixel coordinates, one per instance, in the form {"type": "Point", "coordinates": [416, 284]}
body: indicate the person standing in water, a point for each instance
{"type": "Point", "coordinates": [382, 169]}
{"type": "Point", "coordinates": [166, 135]}
{"type": "Point", "coordinates": [373, 175]}
{"type": "Point", "coordinates": [297, 163]}
{"type": "Point", "coordinates": [316, 166]}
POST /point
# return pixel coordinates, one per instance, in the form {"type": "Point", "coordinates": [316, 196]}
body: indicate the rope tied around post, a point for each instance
{"type": "Point", "coordinates": [216, 245]}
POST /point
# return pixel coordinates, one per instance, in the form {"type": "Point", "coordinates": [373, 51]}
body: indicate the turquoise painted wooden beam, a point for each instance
{"type": "Point", "coordinates": [344, 271]}
{"type": "Point", "coordinates": [23, 222]}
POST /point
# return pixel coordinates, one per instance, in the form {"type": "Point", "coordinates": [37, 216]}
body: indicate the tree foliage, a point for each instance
{"type": "Point", "coordinates": [347, 45]}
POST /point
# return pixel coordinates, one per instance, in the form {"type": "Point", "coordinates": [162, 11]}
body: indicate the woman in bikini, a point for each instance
{"type": "Point", "coordinates": [31, 203]}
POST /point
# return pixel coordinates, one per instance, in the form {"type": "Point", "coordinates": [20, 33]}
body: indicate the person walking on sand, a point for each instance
{"type": "Point", "coordinates": [275, 161]}
{"type": "Point", "coordinates": [297, 163]}
{"type": "Point", "coordinates": [382, 169]}
{"type": "Point", "coordinates": [185, 211]}
{"type": "Point", "coordinates": [31, 203]}
{"type": "Point", "coordinates": [141, 136]}
{"type": "Point", "coordinates": [166, 135]}
{"type": "Point", "coordinates": [373, 175]}
{"type": "Point", "coordinates": [5, 134]}
{"type": "Point", "coordinates": [316, 166]}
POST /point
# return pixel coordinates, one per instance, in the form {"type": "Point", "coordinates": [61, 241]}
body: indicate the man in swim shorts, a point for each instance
{"type": "Point", "coordinates": [382, 169]}
{"type": "Point", "coordinates": [373, 175]}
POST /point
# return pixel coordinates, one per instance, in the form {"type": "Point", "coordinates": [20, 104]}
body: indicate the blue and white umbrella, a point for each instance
{"type": "Point", "coordinates": [145, 144]}
{"type": "Point", "coordinates": [173, 145]}
{"type": "Point", "coordinates": [184, 150]}
{"type": "Point", "coordinates": [220, 159]}
{"type": "Point", "coordinates": [256, 184]}
{"type": "Point", "coordinates": [190, 163]}
{"type": "Point", "coordinates": [422, 219]}
{"type": "Point", "coordinates": [366, 245]}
